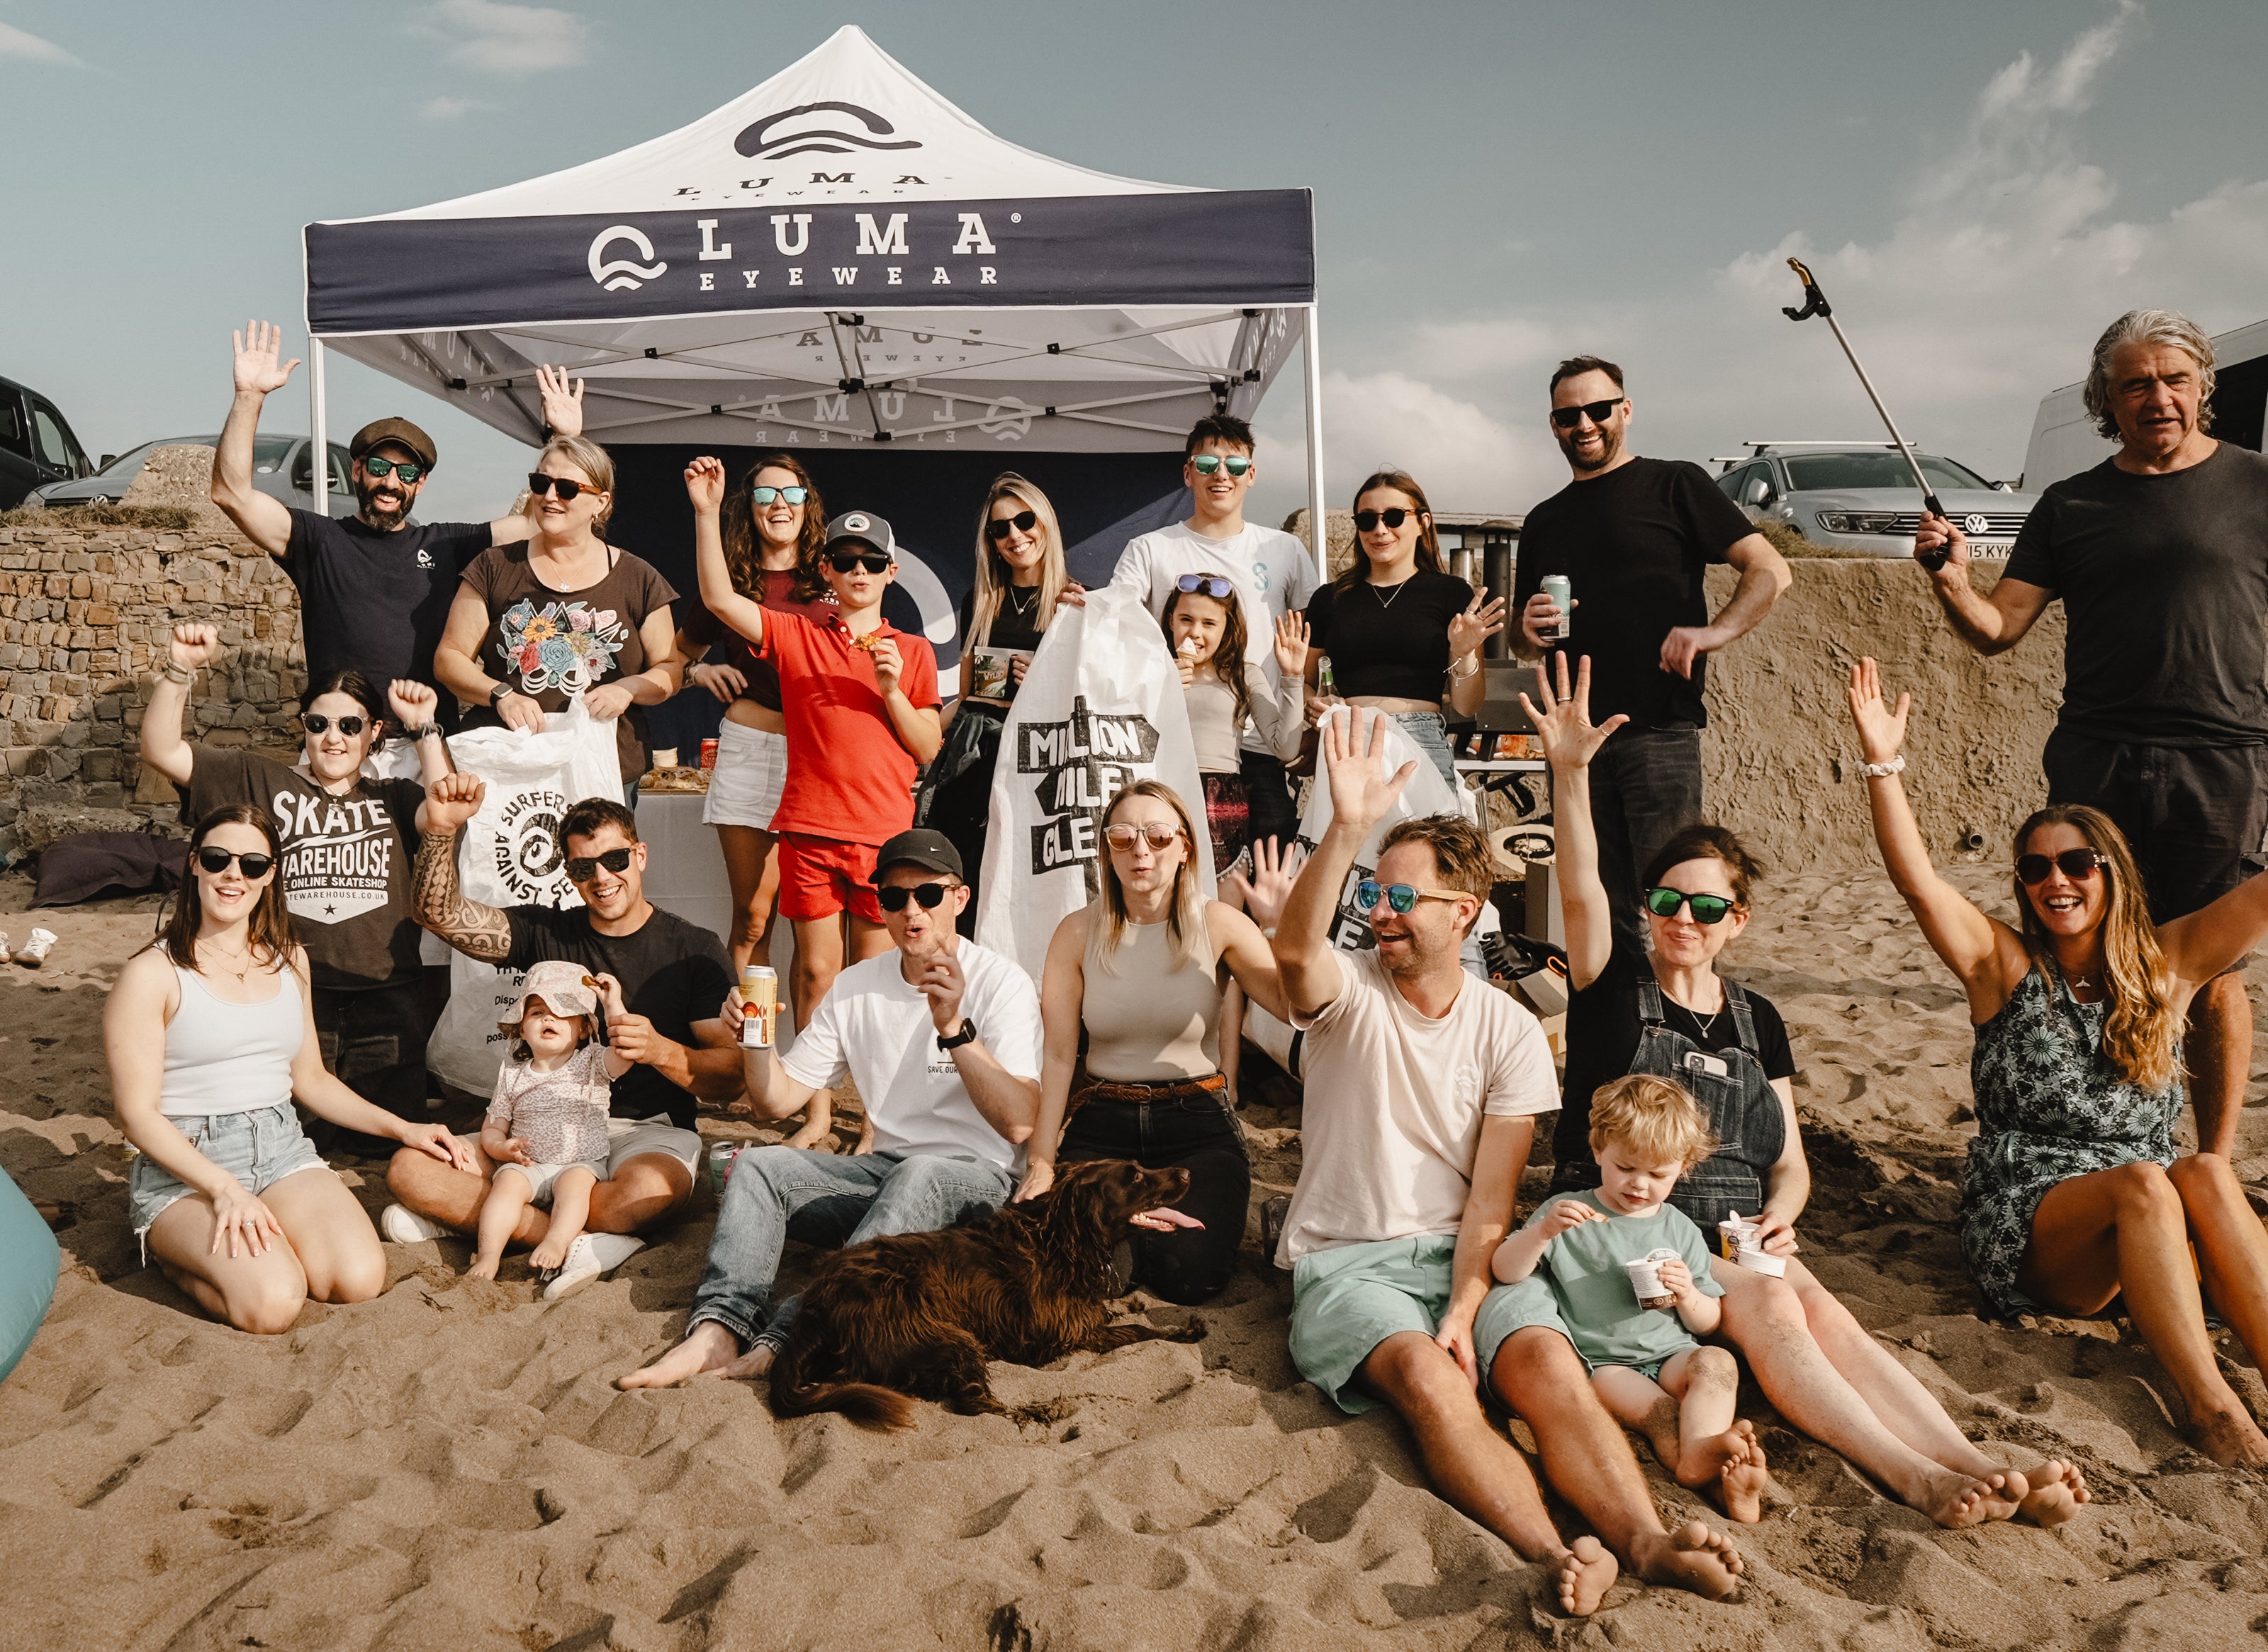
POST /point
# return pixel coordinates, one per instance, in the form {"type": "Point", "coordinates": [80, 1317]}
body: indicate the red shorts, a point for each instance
{"type": "Point", "coordinates": [820, 876]}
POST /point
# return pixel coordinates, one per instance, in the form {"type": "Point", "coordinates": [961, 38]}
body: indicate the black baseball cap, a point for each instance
{"type": "Point", "coordinates": [866, 528]}
{"type": "Point", "coordinates": [930, 850]}
{"type": "Point", "coordinates": [401, 432]}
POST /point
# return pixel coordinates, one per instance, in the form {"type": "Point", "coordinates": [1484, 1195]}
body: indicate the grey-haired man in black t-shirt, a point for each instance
{"type": "Point", "coordinates": [2160, 557]}
{"type": "Point", "coordinates": [374, 587]}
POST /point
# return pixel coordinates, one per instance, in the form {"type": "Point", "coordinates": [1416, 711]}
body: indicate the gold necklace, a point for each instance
{"type": "Point", "coordinates": [241, 974]}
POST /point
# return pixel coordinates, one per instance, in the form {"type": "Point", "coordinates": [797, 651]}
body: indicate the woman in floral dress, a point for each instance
{"type": "Point", "coordinates": [2074, 1191]}
{"type": "Point", "coordinates": [564, 615]}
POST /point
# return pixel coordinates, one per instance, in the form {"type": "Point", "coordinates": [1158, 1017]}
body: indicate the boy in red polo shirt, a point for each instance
{"type": "Point", "coordinates": [861, 704]}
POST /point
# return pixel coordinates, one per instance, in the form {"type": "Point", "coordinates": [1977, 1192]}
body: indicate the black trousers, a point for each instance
{"type": "Point", "coordinates": [375, 1041]}
{"type": "Point", "coordinates": [1195, 1133]}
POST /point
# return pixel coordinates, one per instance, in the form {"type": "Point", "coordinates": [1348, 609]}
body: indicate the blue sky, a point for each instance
{"type": "Point", "coordinates": [1982, 187]}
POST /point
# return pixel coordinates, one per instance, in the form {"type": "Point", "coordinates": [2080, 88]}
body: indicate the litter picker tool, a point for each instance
{"type": "Point", "coordinates": [1815, 303]}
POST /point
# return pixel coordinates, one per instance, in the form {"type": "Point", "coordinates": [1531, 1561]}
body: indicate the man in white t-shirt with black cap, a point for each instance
{"type": "Point", "coordinates": [943, 1039]}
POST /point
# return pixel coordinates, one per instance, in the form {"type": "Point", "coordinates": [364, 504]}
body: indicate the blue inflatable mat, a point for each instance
{"type": "Point", "coordinates": [29, 1259]}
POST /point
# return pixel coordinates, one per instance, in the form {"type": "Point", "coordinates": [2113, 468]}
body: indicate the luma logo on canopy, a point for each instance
{"type": "Point", "coordinates": [806, 130]}
{"type": "Point", "coordinates": [621, 275]}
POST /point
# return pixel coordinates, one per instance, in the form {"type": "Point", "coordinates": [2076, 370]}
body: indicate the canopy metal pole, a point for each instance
{"type": "Point", "coordinates": [320, 472]}
{"type": "Point", "coordinates": [1319, 538]}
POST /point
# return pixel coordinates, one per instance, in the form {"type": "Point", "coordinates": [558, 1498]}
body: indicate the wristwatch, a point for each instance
{"type": "Point", "coordinates": [966, 1035]}
{"type": "Point", "coordinates": [499, 694]}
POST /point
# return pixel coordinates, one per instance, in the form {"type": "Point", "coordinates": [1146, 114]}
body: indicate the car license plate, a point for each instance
{"type": "Point", "coordinates": [1991, 549]}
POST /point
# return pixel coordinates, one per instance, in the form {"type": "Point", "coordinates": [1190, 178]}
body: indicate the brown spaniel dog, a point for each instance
{"type": "Point", "coordinates": [919, 1314]}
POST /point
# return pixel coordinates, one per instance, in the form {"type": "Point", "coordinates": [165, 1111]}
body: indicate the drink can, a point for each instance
{"type": "Point", "coordinates": [759, 1006]}
{"type": "Point", "coordinates": [720, 1163]}
{"type": "Point", "coordinates": [1561, 590]}
{"type": "Point", "coordinates": [708, 754]}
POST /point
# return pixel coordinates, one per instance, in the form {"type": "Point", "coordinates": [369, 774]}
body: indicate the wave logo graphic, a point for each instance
{"type": "Point", "coordinates": [761, 141]}
{"type": "Point", "coordinates": [623, 275]}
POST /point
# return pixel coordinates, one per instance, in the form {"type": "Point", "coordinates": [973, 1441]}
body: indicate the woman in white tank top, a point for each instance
{"type": "Point", "coordinates": [210, 1033]}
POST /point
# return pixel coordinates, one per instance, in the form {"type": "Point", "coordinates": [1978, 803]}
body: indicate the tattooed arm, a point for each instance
{"type": "Point", "coordinates": [476, 931]}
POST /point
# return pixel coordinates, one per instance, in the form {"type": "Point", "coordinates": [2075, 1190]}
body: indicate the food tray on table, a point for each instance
{"type": "Point", "coordinates": [674, 780]}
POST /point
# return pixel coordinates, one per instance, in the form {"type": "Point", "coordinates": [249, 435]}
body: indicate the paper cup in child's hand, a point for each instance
{"type": "Point", "coordinates": [1646, 1278]}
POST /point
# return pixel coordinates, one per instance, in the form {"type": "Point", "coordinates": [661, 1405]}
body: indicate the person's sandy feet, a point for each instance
{"type": "Point", "coordinates": [551, 1252]}
{"type": "Point", "coordinates": [754, 1363]}
{"type": "Point", "coordinates": [1729, 1467]}
{"type": "Point", "coordinates": [708, 1348]}
{"type": "Point", "coordinates": [1955, 1499]}
{"type": "Point", "coordinates": [2058, 1489]}
{"type": "Point", "coordinates": [1691, 1557]}
{"type": "Point", "coordinates": [2230, 1437]}
{"type": "Point", "coordinates": [1582, 1574]}
{"type": "Point", "coordinates": [483, 1268]}
{"type": "Point", "coordinates": [816, 1136]}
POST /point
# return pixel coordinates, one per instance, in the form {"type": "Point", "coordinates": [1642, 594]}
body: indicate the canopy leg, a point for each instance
{"type": "Point", "coordinates": [320, 471]}
{"type": "Point", "coordinates": [1319, 538]}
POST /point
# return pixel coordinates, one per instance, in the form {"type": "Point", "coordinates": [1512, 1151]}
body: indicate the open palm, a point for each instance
{"type": "Point", "coordinates": [1564, 725]}
{"type": "Point", "coordinates": [1881, 727]}
{"type": "Point", "coordinates": [1361, 790]}
{"type": "Point", "coordinates": [257, 351]}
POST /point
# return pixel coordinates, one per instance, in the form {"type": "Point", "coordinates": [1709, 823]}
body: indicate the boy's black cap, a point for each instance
{"type": "Point", "coordinates": [930, 850]}
{"type": "Point", "coordinates": [864, 527]}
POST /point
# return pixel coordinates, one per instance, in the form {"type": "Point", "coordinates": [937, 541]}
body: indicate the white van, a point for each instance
{"type": "Point", "coordinates": [2065, 441]}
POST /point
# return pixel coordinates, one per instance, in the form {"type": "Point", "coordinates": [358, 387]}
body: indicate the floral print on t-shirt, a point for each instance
{"type": "Point", "coordinates": [566, 645]}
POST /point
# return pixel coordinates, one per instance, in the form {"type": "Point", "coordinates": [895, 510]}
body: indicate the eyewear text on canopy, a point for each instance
{"type": "Point", "coordinates": [1567, 417]}
{"type": "Point", "coordinates": [1205, 464]}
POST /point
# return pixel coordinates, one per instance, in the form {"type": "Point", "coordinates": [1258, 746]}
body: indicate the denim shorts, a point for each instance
{"type": "Point", "coordinates": [259, 1148]}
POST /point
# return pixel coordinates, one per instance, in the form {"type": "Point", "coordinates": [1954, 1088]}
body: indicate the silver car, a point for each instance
{"type": "Point", "coordinates": [1858, 497]}
{"type": "Point", "coordinates": [282, 467]}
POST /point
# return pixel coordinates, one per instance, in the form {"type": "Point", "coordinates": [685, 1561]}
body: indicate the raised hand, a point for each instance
{"type": "Point", "coordinates": [1881, 729]}
{"type": "Point", "coordinates": [944, 985]}
{"type": "Point", "coordinates": [1274, 871]}
{"type": "Point", "coordinates": [1564, 725]}
{"type": "Point", "coordinates": [412, 703]}
{"type": "Point", "coordinates": [563, 400]}
{"type": "Point", "coordinates": [1482, 619]}
{"type": "Point", "coordinates": [704, 481]}
{"type": "Point", "coordinates": [452, 799]}
{"type": "Point", "coordinates": [1361, 790]}
{"type": "Point", "coordinates": [196, 646]}
{"type": "Point", "coordinates": [257, 371]}
{"type": "Point", "coordinates": [1291, 643]}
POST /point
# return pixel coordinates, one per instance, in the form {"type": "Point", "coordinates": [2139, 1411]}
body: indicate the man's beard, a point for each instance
{"type": "Point", "coordinates": [1610, 445]}
{"type": "Point", "coordinates": [365, 497]}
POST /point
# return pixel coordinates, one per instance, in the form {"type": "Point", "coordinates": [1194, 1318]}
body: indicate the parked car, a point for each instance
{"type": "Point", "coordinates": [1859, 496]}
{"type": "Point", "coordinates": [36, 444]}
{"type": "Point", "coordinates": [281, 468]}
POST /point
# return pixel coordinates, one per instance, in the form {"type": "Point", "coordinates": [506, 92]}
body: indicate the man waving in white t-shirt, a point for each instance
{"type": "Point", "coordinates": [942, 1037]}
{"type": "Point", "coordinates": [1272, 571]}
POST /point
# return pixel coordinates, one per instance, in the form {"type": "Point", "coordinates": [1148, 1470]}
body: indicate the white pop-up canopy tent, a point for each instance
{"type": "Point", "coordinates": [840, 256]}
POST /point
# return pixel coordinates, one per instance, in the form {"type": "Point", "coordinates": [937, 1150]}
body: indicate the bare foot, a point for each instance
{"type": "Point", "coordinates": [707, 1348]}
{"type": "Point", "coordinates": [816, 1136]}
{"type": "Point", "coordinates": [551, 1253]}
{"type": "Point", "coordinates": [483, 1268]}
{"type": "Point", "coordinates": [1582, 1574]}
{"type": "Point", "coordinates": [2230, 1438]}
{"type": "Point", "coordinates": [1691, 1557]}
{"type": "Point", "coordinates": [1729, 1467]}
{"type": "Point", "coordinates": [755, 1362]}
{"type": "Point", "coordinates": [2058, 1489]}
{"type": "Point", "coordinates": [1955, 1499]}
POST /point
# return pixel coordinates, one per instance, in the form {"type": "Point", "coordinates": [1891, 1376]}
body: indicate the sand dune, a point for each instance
{"type": "Point", "coordinates": [448, 1466]}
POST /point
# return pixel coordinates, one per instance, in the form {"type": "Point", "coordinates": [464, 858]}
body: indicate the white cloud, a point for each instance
{"type": "Point", "coordinates": [449, 109]}
{"type": "Point", "coordinates": [496, 39]}
{"type": "Point", "coordinates": [1465, 457]}
{"type": "Point", "coordinates": [30, 48]}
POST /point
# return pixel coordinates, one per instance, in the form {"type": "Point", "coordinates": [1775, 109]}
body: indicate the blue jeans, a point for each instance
{"type": "Point", "coordinates": [824, 1198]}
{"type": "Point", "coordinates": [1646, 784]}
{"type": "Point", "coordinates": [1431, 731]}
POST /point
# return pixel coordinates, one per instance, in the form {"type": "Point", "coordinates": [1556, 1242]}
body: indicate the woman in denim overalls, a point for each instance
{"type": "Point", "coordinates": [1814, 1361]}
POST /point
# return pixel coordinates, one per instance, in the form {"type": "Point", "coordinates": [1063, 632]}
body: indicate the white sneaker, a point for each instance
{"type": "Point", "coordinates": [34, 951]}
{"type": "Point", "coordinates": [4, 953]}
{"type": "Point", "coordinates": [590, 1259]}
{"type": "Point", "coordinates": [405, 1227]}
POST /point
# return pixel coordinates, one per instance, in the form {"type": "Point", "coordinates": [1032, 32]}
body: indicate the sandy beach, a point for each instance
{"type": "Point", "coordinates": [450, 1466]}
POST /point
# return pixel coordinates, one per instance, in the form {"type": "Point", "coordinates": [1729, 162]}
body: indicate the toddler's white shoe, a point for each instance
{"type": "Point", "coordinates": [36, 949]}
{"type": "Point", "coordinates": [405, 1227]}
{"type": "Point", "coordinates": [4, 953]}
{"type": "Point", "coordinates": [590, 1259]}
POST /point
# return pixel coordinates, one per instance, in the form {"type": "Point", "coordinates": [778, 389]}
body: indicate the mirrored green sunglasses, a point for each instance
{"type": "Point", "coordinates": [1707, 908]}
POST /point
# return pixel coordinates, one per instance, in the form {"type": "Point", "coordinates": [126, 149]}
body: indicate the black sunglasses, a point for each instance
{"type": "Point", "coordinates": [2073, 863]}
{"type": "Point", "coordinates": [1205, 464]}
{"type": "Point", "coordinates": [408, 473]}
{"type": "Point", "coordinates": [1208, 584]}
{"type": "Point", "coordinates": [582, 868]}
{"type": "Point", "coordinates": [766, 494]}
{"type": "Point", "coordinates": [1663, 902]}
{"type": "Point", "coordinates": [894, 899]}
{"type": "Point", "coordinates": [316, 723]}
{"type": "Point", "coordinates": [1022, 521]}
{"type": "Point", "coordinates": [871, 561]}
{"type": "Point", "coordinates": [1567, 417]}
{"type": "Point", "coordinates": [1367, 521]}
{"type": "Point", "coordinates": [540, 484]}
{"type": "Point", "coordinates": [215, 859]}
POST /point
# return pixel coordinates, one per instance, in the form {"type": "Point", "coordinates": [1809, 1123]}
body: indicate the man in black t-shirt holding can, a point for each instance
{"type": "Point", "coordinates": [374, 587]}
{"type": "Point", "coordinates": [2160, 557]}
{"type": "Point", "coordinates": [1634, 538]}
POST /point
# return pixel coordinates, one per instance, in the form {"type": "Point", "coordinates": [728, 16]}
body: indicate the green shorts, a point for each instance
{"type": "Point", "coordinates": [1510, 1307]}
{"type": "Point", "coordinates": [1348, 1299]}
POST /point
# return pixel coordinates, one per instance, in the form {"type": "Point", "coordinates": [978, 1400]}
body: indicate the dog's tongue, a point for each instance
{"type": "Point", "coordinates": [1165, 1219]}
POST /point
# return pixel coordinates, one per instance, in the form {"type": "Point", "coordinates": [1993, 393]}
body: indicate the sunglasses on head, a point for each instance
{"type": "Point", "coordinates": [2073, 863]}
{"type": "Point", "coordinates": [408, 473]}
{"type": "Point", "coordinates": [540, 484]}
{"type": "Point", "coordinates": [1567, 417]}
{"type": "Point", "coordinates": [1402, 898]}
{"type": "Point", "coordinates": [1126, 835]}
{"type": "Point", "coordinates": [1707, 908]}
{"type": "Point", "coordinates": [1205, 464]}
{"type": "Point", "coordinates": [316, 723]}
{"type": "Point", "coordinates": [766, 494]}
{"type": "Point", "coordinates": [1204, 584]}
{"type": "Point", "coordinates": [582, 868]}
{"type": "Point", "coordinates": [215, 859]}
{"type": "Point", "coordinates": [893, 898]}
{"type": "Point", "coordinates": [871, 561]}
{"type": "Point", "coordinates": [1022, 521]}
{"type": "Point", "coordinates": [1367, 521]}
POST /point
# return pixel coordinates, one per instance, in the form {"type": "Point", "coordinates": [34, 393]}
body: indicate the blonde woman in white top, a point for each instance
{"type": "Point", "coordinates": [210, 1033]}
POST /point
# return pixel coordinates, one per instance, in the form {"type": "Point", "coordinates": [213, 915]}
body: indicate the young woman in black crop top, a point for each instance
{"type": "Point", "coordinates": [1396, 626]}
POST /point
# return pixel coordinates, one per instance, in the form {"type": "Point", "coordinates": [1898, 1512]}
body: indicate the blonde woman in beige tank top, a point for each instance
{"type": "Point", "coordinates": [1141, 973]}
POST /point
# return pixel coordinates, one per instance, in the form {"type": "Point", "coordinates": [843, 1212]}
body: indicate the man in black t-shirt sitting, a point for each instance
{"type": "Point", "coordinates": [674, 974]}
{"type": "Point", "coordinates": [2160, 557]}
{"type": "Point", "coordinates": [1634, 538]}
{"type": "Point", "coordinates": [374, 587]}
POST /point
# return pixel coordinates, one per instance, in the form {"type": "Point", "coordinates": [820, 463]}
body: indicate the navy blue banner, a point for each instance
{"type": "Point", "coordinates": [1245, 247]}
